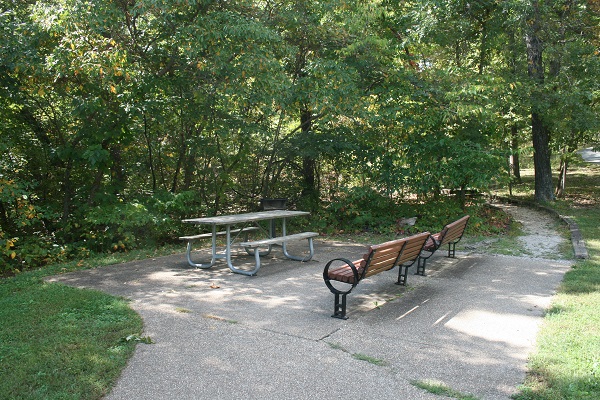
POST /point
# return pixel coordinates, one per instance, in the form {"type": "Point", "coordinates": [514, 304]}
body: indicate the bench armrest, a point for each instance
{"type": "Point", "coordinates": [354, 272]}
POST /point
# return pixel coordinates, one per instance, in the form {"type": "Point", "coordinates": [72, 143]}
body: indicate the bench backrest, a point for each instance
{"type": "Point", "coordinates": [385, 256]}
{"type": "Point", "coordinates": [453, 231]}
{"type": "Point", "coordinates": [413, 248]}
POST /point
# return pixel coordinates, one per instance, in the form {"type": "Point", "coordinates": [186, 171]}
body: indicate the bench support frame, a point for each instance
{"type": "Point", "coordinates": [339, 307]}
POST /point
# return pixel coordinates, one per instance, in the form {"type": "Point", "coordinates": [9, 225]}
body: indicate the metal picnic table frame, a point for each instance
{"type": "Point", "coordinates": [245, 219]}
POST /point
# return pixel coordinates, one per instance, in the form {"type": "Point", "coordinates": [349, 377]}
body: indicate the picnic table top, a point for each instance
{"type": "Point", "coordinates": [245, 217]}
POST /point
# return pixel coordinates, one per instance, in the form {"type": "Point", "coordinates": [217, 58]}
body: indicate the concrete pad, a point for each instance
{"type": "Point", "coordinates": [470, 324]}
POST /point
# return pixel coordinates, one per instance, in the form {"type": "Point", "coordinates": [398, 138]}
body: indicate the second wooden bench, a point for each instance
{"type": "Point", "coordinates": [450, 235]}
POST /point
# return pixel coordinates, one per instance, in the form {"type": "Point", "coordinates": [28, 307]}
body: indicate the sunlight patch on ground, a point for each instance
{"type": "Point", "coordinates": [511, 329]}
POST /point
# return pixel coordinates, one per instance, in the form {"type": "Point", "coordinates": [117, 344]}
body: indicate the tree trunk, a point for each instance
{"type": "Point", "coordinates": [67, 191]}
{"type": "Point", "coordinates": [6, 223]}
{"type": "Point", "coordinates": [117, 171]}
{"type": "Point", "coordinates": [562, 177]}
{"type": "Point", "coordinates": [514, 143]}
{"type": "Point", "coordinates": [150, 155]}
{"type": "Point", "coordinates": [310, 191]}
{"type": "Point", "coordinates": [180, 158]}
{"type": "Point", "coordinates": [189, 168]}
{"type": "Point", "coordinates": [544, 189]}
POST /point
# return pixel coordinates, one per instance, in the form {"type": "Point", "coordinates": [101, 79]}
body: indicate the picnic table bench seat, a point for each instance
{"type": "Point", "coordinates": [450, 235]}
{"type": "Point", "coordinates": [192, 238]}
{"type": "Point", "coordinates": [401, 253]}
{"type": "Point", "coordinates": [252, 246]}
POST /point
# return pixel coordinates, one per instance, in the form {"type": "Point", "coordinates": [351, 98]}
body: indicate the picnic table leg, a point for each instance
{"type": "Point", "coordinates": [299, 258]}
{"type": "Point", "coordinates": [213, 248]}
{"type": "Point", "coordinates": [257, 255]}
{"type": "Point", "coordinates": [292, 257]}
{"type": "Point", "coordinates": [251, 251]}
{"type": "Point", "coordinates": [243, 271]}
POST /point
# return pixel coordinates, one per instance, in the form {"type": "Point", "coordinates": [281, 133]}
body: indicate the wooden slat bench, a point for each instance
{"type": "Point", "coordinates": [282, 241]}
{"type": "Point", "coordinates": [450, 235]}
{"type": "Point", "coordinates": [192, 238]}
{"type": "Point", "coordinates": [382, 257]}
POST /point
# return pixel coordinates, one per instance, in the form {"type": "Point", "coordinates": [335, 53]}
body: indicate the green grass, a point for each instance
{"type": "Point", "coordinates": [442, 389]}
{"type": "Point", "coordinates": [566, 364]}
{"type": "Point", "coordinates": [59, 342]}
{"type": "Point", "coordinates": [369, 359]}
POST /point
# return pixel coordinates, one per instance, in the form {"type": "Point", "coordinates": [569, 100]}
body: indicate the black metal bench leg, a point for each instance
{"type": "Point", "coordinates": [421, 266]}
{"type": "Point", "coordinates": [402, 276]}
{"type": "Point", "coordinates": [339, 308]}
{"type": "Point", "coordinates": [452, 250]}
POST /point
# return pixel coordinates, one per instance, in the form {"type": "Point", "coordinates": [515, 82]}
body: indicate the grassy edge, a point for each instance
{"type": "Point", "coordinates": [62, 342]}
{"type": "Point", "coordinates": [566, 362]}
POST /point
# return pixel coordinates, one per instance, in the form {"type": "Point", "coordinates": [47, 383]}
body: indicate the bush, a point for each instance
{"type": "Point", "coordinates": [366, 210]}
{"type": "Point", "coordinates": [363, 209]}
{"type": "Point", "coordinates": [120, 227]}
{"type": "Point", "coordinates": [112, 227]}
{"type": "Point", "coordinates": [24, 239]}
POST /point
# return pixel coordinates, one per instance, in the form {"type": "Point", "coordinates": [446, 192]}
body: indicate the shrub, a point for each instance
{"type": "Point", "coordinates": [24, 240]}
{"type": "Point", "coordinates": [364, 209]}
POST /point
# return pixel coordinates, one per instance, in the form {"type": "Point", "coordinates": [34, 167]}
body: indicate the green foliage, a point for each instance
{"type": "Point", "coordinates": [361, 209]}
{"type": "Point", "coordinates": [366, 210]}
{"type": "Point", "coordinates": [119, 227]}
{"type": "Point", "coordinates": [126, 226]}
{"type": "Point", "coordinates": [24, 240]}
{"type": "Point", "coordinates": [119, 119]}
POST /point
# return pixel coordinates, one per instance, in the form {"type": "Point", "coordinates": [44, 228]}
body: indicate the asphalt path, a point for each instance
{"type": "Point", "coordinates": [589, 155]}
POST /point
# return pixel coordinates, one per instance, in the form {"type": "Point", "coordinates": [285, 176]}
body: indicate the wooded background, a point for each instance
{"type": "Point", "coordinates": [119, 118]}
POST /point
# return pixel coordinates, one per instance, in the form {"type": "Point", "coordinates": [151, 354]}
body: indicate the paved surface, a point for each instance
{"type": "Point", "coordinates": [469, 324]}
{"type": "Point", "coordinates": [589, 155]}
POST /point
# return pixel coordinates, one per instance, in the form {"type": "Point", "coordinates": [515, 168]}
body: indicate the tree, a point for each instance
{"type": "Point", "coordinates": [544, 189]}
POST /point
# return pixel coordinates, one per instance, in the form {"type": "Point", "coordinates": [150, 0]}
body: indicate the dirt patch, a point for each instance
{"type": "Point", "coordinates": [541, 237]}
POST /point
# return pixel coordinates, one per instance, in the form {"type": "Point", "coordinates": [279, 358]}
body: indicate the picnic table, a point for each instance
{"type": "Point", "coordinates": [249, 222]}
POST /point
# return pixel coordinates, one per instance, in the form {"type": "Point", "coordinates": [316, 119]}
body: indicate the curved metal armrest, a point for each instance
{"type": "Point", "coordinates": [328, 281]}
